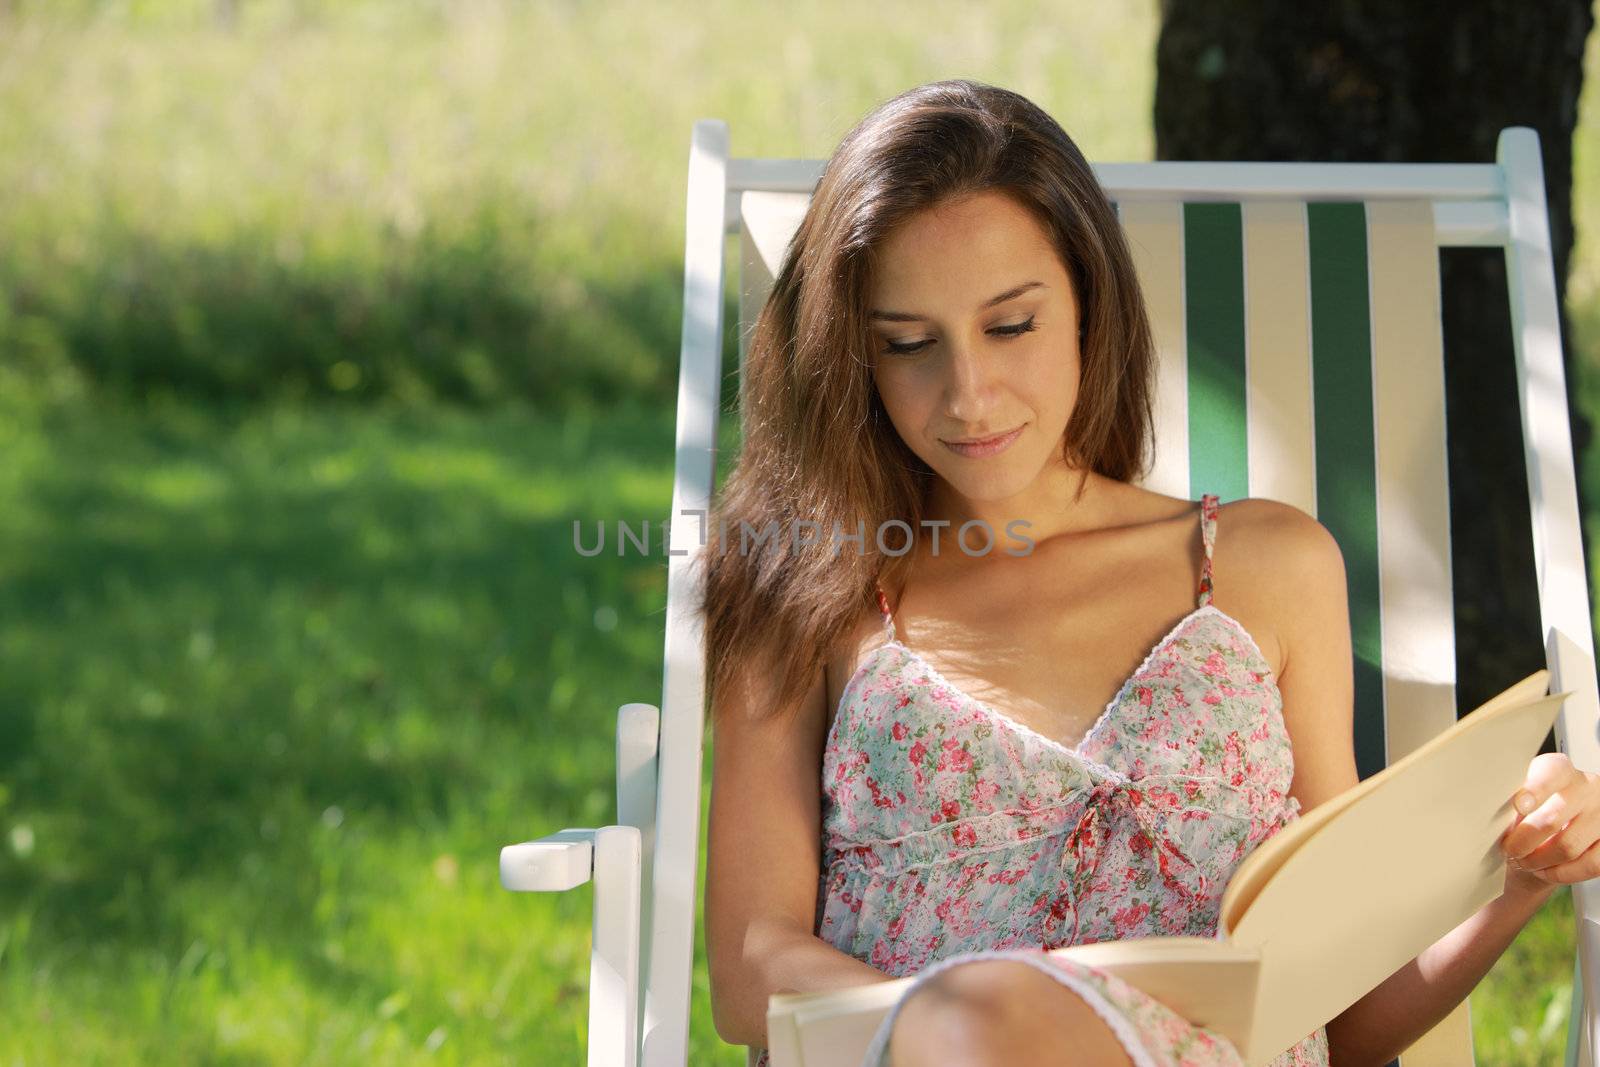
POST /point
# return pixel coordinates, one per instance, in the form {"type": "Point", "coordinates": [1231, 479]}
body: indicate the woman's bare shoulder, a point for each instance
{"type": "Point", "coordinates": [1267, 556]}
{"type": "Point", "coordinates": [1290, 568]}
{"type": "Point", "coordinates": [1287, 533]}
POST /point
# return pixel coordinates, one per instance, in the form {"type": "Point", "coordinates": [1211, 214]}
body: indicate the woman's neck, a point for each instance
{"type": "Point", "coordinates": [1051, 506]}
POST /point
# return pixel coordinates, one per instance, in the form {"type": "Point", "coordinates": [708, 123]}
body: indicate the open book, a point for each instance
{"type": "Point", "coordinates": [1315, 917]}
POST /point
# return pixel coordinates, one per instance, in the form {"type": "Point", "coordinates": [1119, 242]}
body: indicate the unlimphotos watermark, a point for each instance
{"type": "Point", "coordinates": [893, 537]}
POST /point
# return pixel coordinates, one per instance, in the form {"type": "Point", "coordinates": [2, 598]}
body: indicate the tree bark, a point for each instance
{"type": "Point", "coordinates": [1361, 80]}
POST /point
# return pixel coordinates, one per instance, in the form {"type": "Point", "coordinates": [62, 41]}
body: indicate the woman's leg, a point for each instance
{"type": "Point", "coordinates": [988, 1012]}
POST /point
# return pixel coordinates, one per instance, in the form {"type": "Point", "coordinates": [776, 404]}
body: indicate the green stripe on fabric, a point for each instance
{"type": "Point", "coordinates": [1346, 460]}
{"type": "Point", "coordinates": [1213, 265]}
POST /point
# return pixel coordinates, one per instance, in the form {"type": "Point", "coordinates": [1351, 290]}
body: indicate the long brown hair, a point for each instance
{"type": "Point", "coordinates": [818, 446]}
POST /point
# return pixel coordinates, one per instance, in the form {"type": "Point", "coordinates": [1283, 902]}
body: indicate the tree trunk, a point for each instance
{"type": "Point", "coordinates": [1361, 80]}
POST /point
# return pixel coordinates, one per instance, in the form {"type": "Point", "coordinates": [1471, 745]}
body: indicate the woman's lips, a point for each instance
{"type": "Point", "coordinates": [987, 447]}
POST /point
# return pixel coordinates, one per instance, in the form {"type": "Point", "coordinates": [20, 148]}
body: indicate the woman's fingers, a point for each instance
{"type": "Point", "coordinates": [1551, 797]}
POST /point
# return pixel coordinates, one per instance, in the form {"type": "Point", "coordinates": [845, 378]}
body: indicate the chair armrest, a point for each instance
{"type": "Point", "coordinates": [566, 860]}
{"type": "Point", "coordinates": [610, 856]}
{"type": "Point", "coordinates": [615, 860]}
{"type": "Point", "coordinates": [552, 864]}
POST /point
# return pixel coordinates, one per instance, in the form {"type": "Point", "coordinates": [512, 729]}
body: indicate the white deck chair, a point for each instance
{"type": "Point", "coordinates": [1297, 314]}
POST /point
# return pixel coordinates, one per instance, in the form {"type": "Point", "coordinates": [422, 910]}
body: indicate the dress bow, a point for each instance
{"type": "Point", "coordinates": [1109, 798]}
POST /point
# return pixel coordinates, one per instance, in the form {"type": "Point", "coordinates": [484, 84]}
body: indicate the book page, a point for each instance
{"type": "Point", "coordinates": [1259, 867]}
{"type": "Point", "coordinates": [1384, 876]}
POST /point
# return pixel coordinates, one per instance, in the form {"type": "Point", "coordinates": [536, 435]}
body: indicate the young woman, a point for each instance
{"type": "Point", "coordinates": [928, 573]}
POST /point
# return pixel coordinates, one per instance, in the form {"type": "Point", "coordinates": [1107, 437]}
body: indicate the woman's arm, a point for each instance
{"type": "Point", "coordinates": [764, 859]}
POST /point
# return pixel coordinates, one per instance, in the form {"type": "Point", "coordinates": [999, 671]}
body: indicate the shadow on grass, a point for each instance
{"type": "Point", "coordinates": [470, 310]}
{"type": "Point", "coordinates": [231, 645]}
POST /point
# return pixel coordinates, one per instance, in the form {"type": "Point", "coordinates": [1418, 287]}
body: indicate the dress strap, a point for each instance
{"type": "Point", "coordinates": [1208, 537]}
{"type": "Point", "coordinates": [888, 616]}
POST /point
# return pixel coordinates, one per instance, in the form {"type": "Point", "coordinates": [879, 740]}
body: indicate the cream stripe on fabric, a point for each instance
{"type": "Point", "coordinates": [1155, 236]}
{"type": "Point", "coordinates": [1278, 347]}
{"type": "Point", "coordinates": [768, 222]}
{"type": "Point", "coordinates": [1413, 498]}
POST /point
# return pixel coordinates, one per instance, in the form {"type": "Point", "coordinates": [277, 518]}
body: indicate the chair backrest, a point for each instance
{"type": "Point", "coordinates": [1296, 311]}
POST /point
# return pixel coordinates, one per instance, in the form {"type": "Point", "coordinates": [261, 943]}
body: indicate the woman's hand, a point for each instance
{"type": "Point", "coordinates": [1552, 840]}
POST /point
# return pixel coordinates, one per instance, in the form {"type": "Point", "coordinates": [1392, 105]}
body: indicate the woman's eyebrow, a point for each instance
{"type": "Point", "coordinates": [906, 316]}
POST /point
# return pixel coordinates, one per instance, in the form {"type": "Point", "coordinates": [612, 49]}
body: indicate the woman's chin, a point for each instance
{"type": "Point", "coordinates": [1002, 482]}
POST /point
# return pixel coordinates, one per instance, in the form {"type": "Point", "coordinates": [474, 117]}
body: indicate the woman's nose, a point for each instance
{"type": "Point", "coordinates": [968, 388]}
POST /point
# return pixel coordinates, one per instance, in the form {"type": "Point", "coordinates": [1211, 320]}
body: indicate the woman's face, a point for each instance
{"type": "Point", "coordinates": [974, 295]}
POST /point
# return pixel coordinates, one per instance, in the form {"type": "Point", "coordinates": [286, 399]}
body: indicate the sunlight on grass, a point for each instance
{"type": "Point", "coordinates": [421, 203]}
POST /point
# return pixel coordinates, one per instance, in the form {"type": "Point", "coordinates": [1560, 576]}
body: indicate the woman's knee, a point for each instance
{"type": "Point", "coordinates": [999, 1012]}
{"type": "Point", "coordinates": [957, 1015]}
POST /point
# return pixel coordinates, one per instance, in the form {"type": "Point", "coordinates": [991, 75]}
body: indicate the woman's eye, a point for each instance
{"type": "Point", "coordinates": [1016, 330]}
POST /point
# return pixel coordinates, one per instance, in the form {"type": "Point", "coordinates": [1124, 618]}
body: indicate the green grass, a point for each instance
{"type": "Point", "coordinates": [1521, 1009]}
{"type": "Point", "coordinates": [288, 648]}
{"type": "Point", "coordinates": [276, 686]}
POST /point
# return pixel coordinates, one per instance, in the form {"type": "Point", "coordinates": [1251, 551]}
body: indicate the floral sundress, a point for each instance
{"type": "Point", "coordinates": [952, 832]}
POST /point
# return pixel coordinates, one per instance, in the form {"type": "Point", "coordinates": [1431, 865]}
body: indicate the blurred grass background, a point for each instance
{"type": "Point", "coordinates": [320, 322]}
